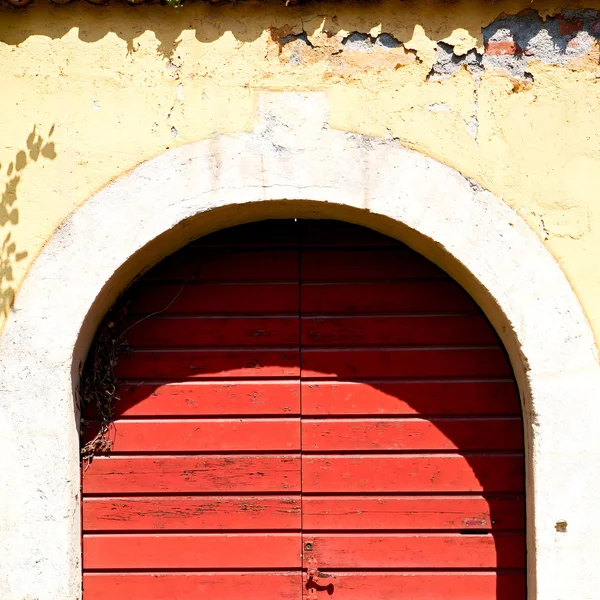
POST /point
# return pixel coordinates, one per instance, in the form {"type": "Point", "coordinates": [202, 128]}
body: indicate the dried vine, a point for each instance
{"type": "Point", "coordinates": [98, 381]}
{"type": "Point", "coordinates": [99, 385]}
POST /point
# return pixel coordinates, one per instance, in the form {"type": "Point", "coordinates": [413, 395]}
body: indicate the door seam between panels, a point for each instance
{"type": "Point", "coordinates": [300, 245]}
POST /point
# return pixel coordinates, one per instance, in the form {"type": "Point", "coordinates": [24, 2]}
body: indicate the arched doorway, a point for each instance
{"type": "Point", "coordinates": [308, 408]}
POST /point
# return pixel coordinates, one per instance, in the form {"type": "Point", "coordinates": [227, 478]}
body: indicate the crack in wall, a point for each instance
{"type": "Point", "coordinates": [448, 62]}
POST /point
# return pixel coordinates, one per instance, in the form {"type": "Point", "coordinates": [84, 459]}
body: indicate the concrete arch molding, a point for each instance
{"type": "Point", "coordinates": [293, 165]}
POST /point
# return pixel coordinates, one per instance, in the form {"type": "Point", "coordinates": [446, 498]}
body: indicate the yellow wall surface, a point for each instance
{"type": "Point", "coordinates": [88, 92]}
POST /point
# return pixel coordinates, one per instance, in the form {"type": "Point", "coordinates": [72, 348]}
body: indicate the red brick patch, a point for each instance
{"type": "Point", "coordinates": [569, 27]}
{"type": "Point", "coordinates": [508, 48]}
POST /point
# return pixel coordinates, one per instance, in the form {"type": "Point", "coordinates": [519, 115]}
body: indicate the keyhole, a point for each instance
{"type": "Point", "coordinates": [308, 546]}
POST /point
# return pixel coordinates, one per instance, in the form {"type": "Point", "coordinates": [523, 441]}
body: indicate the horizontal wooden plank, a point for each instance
{"type": "Point", "coordinates": [330, 233]}
{"type": "Point", "coordinates": [191, 551]}
{"type": "Point", "coordinates": [184, 586]}
{"type": "Point", "coordinates": [397, 330]}
{"type": "Point", "coordinates": [366, 265]}
{"type": "Point", "coordinates": [508, 585]}
{"type": "Point", "coordinates": [198, 332]}
{"type": "Point", "coordinates": [191, 513]}
{"type": "Point", "coordinates": [379, 297]}
{"type": "Point", "coordinates": [191, 474]}
{"type": "Point", "coordinates": [489, 473]}
{"type": "Point", "coordinates": [412, 512]}
{"type": "Point", "coordinates": [214, 298]}
{"type": "Point", "coordinates": [205, 398]}
{"type": "Point", "coordinates": [415, 551]}
{"type": "Point", "coordinates": [208, 364]}
{"type": "Point", "coordinates": [410, 398]}
{"type": "Point", "coordinates": [404, 362]}
{"type": "Point", "coordinates": [444, 434]}
{"type": "Point", "coordinates": [268, 233]}
{"type": "Point", "coordinates": [227, 264]}
{"type": "Point", "coordinates": [201, 435]}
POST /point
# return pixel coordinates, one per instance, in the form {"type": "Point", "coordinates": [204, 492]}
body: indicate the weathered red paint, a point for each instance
{"type": "Point", "coordinates": [311, 394]}
{"type": "Point", "coordinates": [206, 398]}
{"type": "Point", "coordinates": [185, 586]}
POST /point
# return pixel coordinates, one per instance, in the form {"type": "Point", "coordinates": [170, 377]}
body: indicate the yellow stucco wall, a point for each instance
{"type": "Point", "coordinates": [88, 92]}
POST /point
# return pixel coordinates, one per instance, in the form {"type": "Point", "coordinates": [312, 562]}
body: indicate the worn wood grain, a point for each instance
{"type": "Point", "coordinates": [213, 332]}
{"type": "Point", "coordinates": [397, 330]}
{"type": "Point", "coordinates": [404, 362]}
{"type": "Point", "coordinates": [415, 551]}
{"type": "Point", "coordinates": [189, 473]}
{"type": "Point", "coordinates": [191, 513]}
{"type": "Point", "coordinates": [209, 364]}
{"type": "Point", "coordinates": [412, 513]}
{"type": "Point", "coordinates": [413, 473]}
{"type": "Point", "coordinates": [452, 397]}
{"type": "Point", "coordinates": [205, 398]}
{"type": "Point", "coordinates": [203, 435]}
{"type": "Point", "coordinates": [466, 434]}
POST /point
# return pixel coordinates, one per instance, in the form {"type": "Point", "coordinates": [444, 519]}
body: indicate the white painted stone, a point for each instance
{"type": "Point", "coordinates": [292, 164]}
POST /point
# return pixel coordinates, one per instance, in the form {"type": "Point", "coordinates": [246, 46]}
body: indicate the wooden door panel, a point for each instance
{"type": "Point", "coordinates": [366, 264]}
{"type": "Point", "coordinates": [414, 551]}
{"type": "Point", "coordinates": [204, 435]}
{"type": "Point", "coordinates": [413, 473]}
{"type": "Point", "coordinates": [200, 492]}
{"type": "Point", "coordinates": [307, 383]}
{"type": "Point", "coordinates": [284, 585]}
{"type": "Point", "coordinates": [214, 298]}
{"type": "Point", "coordinates": [396, 330]}
{"type": "Point", "coordinates": [432, 585]}
{"type": "Point", "coordinates": [419, 513]}
{"type": "Point", "coordinates": [173, 513]}
{"type": "Point", "coordinates": [191, 551]}
{"type": "Point", "coordinates": [385, 298]}
{"type": "Point", "coordinates": [227, 264]}
{"type": "Point", "coordinates": [212, 332]}
{"type": "Point", "coordinates": [206, 398]}
{"type": "Point", "coordinates": [413, 363]}
{"type": "Point", "coordinates": [443, 434]}
{"type": "Point", "coordinates": [397, 398]}
{"type": "Point", "coordinates": [192, 474]}
{"type": "Point", "coordinates": [208, 364]}
{"type": "Point", "coordinates": [412, 436]}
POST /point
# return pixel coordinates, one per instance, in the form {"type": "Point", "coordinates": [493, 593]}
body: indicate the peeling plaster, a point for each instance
{"type": "Point", "coordinates": [513, 42]}
{"type": "Point", "coordinates": [363, 42]}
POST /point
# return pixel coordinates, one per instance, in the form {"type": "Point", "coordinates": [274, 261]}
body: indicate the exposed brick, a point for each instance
{"type": "Point", "coordinates": [502, 48]}
{"type": "Point", "coordinates": [569, 27]}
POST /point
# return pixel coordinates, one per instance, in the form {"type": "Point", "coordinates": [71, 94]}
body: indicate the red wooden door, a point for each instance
{"type": "Point", "coordinates": [315, 397]}
{"type": "Point", "coordinates": [200, 497]}
{"type": "Point", "coordinates": [412, 440]}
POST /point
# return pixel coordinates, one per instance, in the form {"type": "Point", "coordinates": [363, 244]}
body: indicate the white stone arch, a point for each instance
{"type": "Point", "coordinates": [292, 164]}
